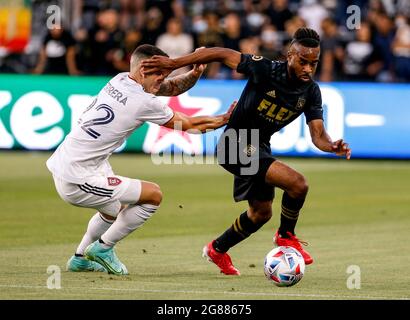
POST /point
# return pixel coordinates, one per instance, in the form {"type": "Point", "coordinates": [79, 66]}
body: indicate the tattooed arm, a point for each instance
{"type": "Point", "coordinates": [179, 84]}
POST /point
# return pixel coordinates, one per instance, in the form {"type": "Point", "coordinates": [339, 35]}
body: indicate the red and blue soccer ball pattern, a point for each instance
{"type": "Point", "coordinates": [284, 266]}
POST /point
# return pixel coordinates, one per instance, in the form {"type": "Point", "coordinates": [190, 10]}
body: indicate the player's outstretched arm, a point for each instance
{"type": "Point", "coordinates": [182, 83]}
{"type": "Point", "coordinates": [200, 124]}
{"type": "Point", "coordinates": [322, 140]}
{"type": "Point", "coordinates": [229, 57]}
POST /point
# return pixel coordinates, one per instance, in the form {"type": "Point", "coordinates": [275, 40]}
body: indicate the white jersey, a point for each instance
{"type": "Point", "coordinates": [120, 107]}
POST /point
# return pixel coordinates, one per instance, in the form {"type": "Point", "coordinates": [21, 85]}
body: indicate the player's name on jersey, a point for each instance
{"type": "Point", "coordinates": [115, 94]}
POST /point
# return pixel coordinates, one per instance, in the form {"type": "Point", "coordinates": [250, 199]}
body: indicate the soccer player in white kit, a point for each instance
{"type": "Point", "coordinates": [81, 171]}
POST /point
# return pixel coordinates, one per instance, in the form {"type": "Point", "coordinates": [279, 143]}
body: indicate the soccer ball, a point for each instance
{"type": "Point", "coordinates": [284, 266]}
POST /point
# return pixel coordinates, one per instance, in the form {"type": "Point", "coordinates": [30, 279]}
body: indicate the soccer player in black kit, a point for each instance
{"type": "Point", "coordinates": [275, 95]}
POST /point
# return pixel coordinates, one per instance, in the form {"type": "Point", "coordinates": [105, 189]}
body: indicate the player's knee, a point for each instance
{"type": "Point", "coordinates": [150, 194]}
{"type": "Point", "coordinates": [108, 217]}
{"type": "Point", "coordinates": [300, 188]}
{"type": "Point", "coordinates": [156, 195]}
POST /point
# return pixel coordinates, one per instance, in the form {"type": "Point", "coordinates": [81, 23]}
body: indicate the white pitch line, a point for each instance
{"type": "Point", "coordinates": [214, 292]}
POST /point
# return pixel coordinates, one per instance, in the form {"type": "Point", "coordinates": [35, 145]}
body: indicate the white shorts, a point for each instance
{"type": "Point", "coordinates": [103, 193]}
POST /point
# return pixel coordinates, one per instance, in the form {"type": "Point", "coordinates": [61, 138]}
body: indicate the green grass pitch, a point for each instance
{"type": "Point", "coordinates": [356, 213]}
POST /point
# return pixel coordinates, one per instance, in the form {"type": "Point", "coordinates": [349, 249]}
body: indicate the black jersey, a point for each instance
{"type": "Point", "coordinates": [270, 100]}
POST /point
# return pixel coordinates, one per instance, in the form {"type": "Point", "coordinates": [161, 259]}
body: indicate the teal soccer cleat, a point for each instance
{"type": "Point", "coordinates": [80, 264]}
{"type": "Point", "coordinates": [105, 257]}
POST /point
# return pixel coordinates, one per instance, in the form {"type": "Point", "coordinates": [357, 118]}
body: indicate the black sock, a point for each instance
{"type": "Point", "coordinates": [241, 229]}
{"type": "Point", "coordinates": [289, 215]}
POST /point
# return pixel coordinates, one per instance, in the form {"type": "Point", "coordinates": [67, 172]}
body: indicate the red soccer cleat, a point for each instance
{"type": "Point", "coordinates": [222, 260]}
{"type": "Point", "coordinates": [293, 242]}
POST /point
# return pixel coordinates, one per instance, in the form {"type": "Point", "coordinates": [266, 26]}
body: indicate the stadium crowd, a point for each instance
{"type": "Point", "coordinates": [98, 36]}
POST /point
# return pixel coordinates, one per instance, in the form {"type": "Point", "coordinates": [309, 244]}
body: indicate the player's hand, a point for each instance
{"type": "Point", "coordinates": [341, 148]}
{"type": "Point", "coordinates": [228, 114]}
{"type": "Point", "coordinates": [198, 69]}
{"type": "Point", "coordinates": [164, 72]}
{"type": "Point", "coordinates": [158, 63]}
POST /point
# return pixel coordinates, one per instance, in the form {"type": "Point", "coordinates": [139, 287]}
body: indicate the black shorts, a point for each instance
{"type": "Point", "coordinates": [249, 184]}
{"type": "Point", "coordinates": [252, 187]}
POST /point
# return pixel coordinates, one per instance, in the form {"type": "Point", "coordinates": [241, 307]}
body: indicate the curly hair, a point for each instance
{"type": "Point", "coordinates": [306, 37]}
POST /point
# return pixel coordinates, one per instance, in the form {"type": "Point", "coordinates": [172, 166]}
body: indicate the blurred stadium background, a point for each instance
{"type": "Point", "coordinates": [356, 212]}
{"type": "Point", "coordinates": [98, 37]}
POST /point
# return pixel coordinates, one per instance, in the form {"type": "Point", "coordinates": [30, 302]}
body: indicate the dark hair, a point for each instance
{"type": "Point", "coordinates": [147, 51]}
{"type": "Point", "coordinates": [306, 37]}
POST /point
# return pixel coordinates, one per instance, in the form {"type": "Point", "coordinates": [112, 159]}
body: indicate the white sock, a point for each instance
{"type": "Point", "coordinates": [96, 227]}
{"type": "Point", "coordinates": [127, 221]}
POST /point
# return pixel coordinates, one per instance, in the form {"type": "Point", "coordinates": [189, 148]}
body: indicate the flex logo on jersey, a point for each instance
{"type": "Point", "coordinates": [113, 181]}
{"type": "Point", "coordinates": [273, 112]}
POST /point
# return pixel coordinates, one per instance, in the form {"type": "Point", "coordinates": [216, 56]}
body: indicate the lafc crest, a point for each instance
{"type": "Point", "coordinates": [249, 150]}
{"type": "Point", "coordinates": [300, 104]}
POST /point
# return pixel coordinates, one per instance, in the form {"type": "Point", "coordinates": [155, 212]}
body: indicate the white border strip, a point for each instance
{"type": "Point", "coordinates": [255, 294]}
